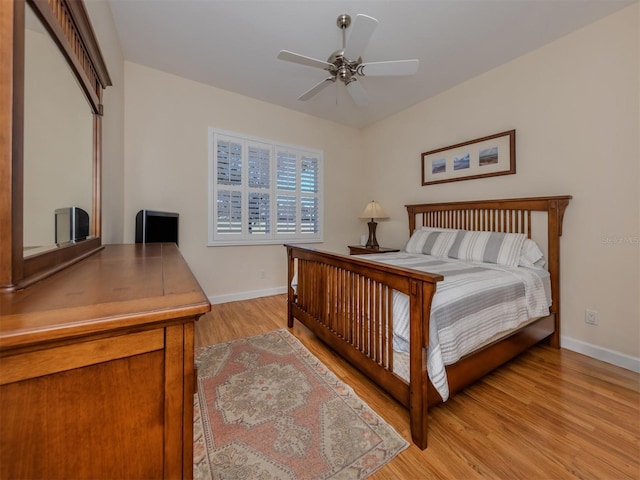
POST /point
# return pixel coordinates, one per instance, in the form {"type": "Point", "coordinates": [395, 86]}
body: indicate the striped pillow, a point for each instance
{"type": "Point", "coordinates": [431, 242]}
{"type": "Point", "coordinates": [531, 255]}
{"type": "Point", "coordinates": [488, 247]}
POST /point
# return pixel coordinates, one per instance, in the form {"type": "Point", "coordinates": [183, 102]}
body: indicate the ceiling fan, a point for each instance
{"type": "Point", "coordinates": [346, 64]}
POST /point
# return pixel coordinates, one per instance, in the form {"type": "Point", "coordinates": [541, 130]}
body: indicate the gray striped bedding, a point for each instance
{"type": "Point", "coordinates": [475, 303]}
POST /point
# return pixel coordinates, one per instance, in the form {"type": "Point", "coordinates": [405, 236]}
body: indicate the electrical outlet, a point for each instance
{"type": "Point", "coordinates": [591, 316]}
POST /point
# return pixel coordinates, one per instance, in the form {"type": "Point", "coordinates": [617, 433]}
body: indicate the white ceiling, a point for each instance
{"type": "Point", "coordinates": [233, 44]}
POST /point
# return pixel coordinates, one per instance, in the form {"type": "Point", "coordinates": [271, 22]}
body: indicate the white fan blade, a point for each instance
{"type": "Point", "coordinates": [316, 88]}
{"type": "Point", "coordinates": [394, 67]}
{"type": "Point", "coordinates": [302, 60]}
{"type": "Point", "coordinates": [361, 31]}
{"type": "Point", "coordinates": [358, 93]}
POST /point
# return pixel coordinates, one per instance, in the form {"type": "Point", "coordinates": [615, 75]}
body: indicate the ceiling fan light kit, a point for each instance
{"type": "Point", "coordinates": [346, 64]}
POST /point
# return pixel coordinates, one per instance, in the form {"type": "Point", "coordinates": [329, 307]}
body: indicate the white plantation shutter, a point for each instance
{"type": "Point", "coordinates": [262, 192]}
{"type": "Point", "coordinates": [309, 215]}
{"type": "Point", "coordinates": [286, 168]}
{"type": "Point", "coordinates": [287, 218]}
{"type": "Point", "coordinates": [228, 198]}
{"type": "Point", "coordinates": [259, 213]}
{"type": "Point", "coordinates": [309, 206]}
{"type": "Point", "coordinates": [259, 182]}
{"type": "Point", "coordinates": [229, 206]}
{"type": "Point", "coordinates": [259, 166]}
{"type": "Point", "coordinates": [229, 171]}
{"type": "Point", "coordinates": [309, 174]}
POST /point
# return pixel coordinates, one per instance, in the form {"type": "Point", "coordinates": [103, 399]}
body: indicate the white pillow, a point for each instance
{"type": "Point", "coordinates": [488, 247]}
{"type": "Point", "coordinates": [531, 255]}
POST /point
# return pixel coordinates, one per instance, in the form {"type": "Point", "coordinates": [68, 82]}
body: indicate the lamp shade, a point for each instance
{"type": "Point", "coordinates": [373, 210]}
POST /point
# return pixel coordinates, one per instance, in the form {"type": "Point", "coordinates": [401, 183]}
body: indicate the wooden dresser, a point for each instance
{"type": "Point", "coordinates": [96, 368]}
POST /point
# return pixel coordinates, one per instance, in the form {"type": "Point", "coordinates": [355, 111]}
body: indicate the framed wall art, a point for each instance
{"type": "Point", "coordinates": [483, 157]}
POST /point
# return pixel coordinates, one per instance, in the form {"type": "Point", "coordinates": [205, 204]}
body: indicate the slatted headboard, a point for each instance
{"type": "Point", "coordinates": [507, 215]}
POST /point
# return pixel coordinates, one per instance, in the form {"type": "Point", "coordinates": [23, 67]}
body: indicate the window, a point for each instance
{"type": "Point", "coordinates": [261, 192]}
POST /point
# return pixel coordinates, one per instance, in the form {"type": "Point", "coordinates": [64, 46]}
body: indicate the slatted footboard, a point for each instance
{"type": "Point", "coordinates": [347, 303]}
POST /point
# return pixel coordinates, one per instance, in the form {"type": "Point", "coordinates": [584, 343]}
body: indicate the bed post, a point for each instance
{"type": "Point", "coordinates": [290, 291]}
{"type": "Point", "coordinates": [421, 294]}
{"type": "Point", "coordinates": [412, 219]}
{"type": "Point", "coordinates": [555, 215]}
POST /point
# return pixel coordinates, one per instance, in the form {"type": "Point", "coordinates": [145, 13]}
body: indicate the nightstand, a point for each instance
{"type": "Point", "coordinates": [360, 250]}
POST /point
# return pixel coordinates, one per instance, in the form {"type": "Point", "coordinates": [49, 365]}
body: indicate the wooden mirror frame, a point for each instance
{"type": "Point", "coordinates": [68, 24]}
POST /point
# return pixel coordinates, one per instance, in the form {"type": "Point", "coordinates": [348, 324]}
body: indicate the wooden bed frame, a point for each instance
{"type": "Point", "coordinates": [347, 302]}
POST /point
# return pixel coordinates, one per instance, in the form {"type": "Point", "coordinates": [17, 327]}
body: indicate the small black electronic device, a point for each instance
{"type": "Point", "coordinates": [153, 227]}
{"type": "Point", "coordinates": [72, 225]}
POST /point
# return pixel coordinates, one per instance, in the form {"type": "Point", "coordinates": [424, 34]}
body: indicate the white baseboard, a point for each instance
{"type": "Point", "coordinates": [593, 351]}
{"type": "Point", "coordinates": [234, 297]}
{"type": "Point", "coordinates": [601, 353]}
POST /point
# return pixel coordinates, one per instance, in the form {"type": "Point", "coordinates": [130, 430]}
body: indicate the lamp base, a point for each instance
{"type": "Point", "coordinates": [372, 242]}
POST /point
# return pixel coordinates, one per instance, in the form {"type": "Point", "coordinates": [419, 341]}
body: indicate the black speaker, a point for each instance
{"type": "Point", "coordinates": [156, 227]}
{"type": "Point", "coordinates": [72, 224]}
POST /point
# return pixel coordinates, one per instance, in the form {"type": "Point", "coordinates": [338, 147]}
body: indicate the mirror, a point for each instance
{"type": "Point", "coordinates": [58, 140]}
{"type": "Point", "coordinates": [52, 77]}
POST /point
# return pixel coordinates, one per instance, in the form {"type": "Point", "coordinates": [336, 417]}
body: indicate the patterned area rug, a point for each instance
{"type": "Point", "coordinates": [267, 408]}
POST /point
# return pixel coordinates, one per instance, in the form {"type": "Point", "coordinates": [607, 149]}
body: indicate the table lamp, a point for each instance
{"type": "Point", "coordinates": [373, 210]}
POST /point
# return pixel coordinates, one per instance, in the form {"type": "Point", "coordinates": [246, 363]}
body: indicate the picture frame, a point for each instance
{"type": "Point", "coordinates": [488, 156]}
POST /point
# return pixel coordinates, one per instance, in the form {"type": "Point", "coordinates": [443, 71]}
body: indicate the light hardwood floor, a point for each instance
{"type": "Point", "coordinates": [547, 414]}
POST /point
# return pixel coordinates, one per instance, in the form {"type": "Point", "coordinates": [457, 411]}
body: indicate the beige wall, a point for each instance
{"type": "Point", "coordinates": [575, 106]}
{"type": "Point", "coordinates": [166, 151]}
